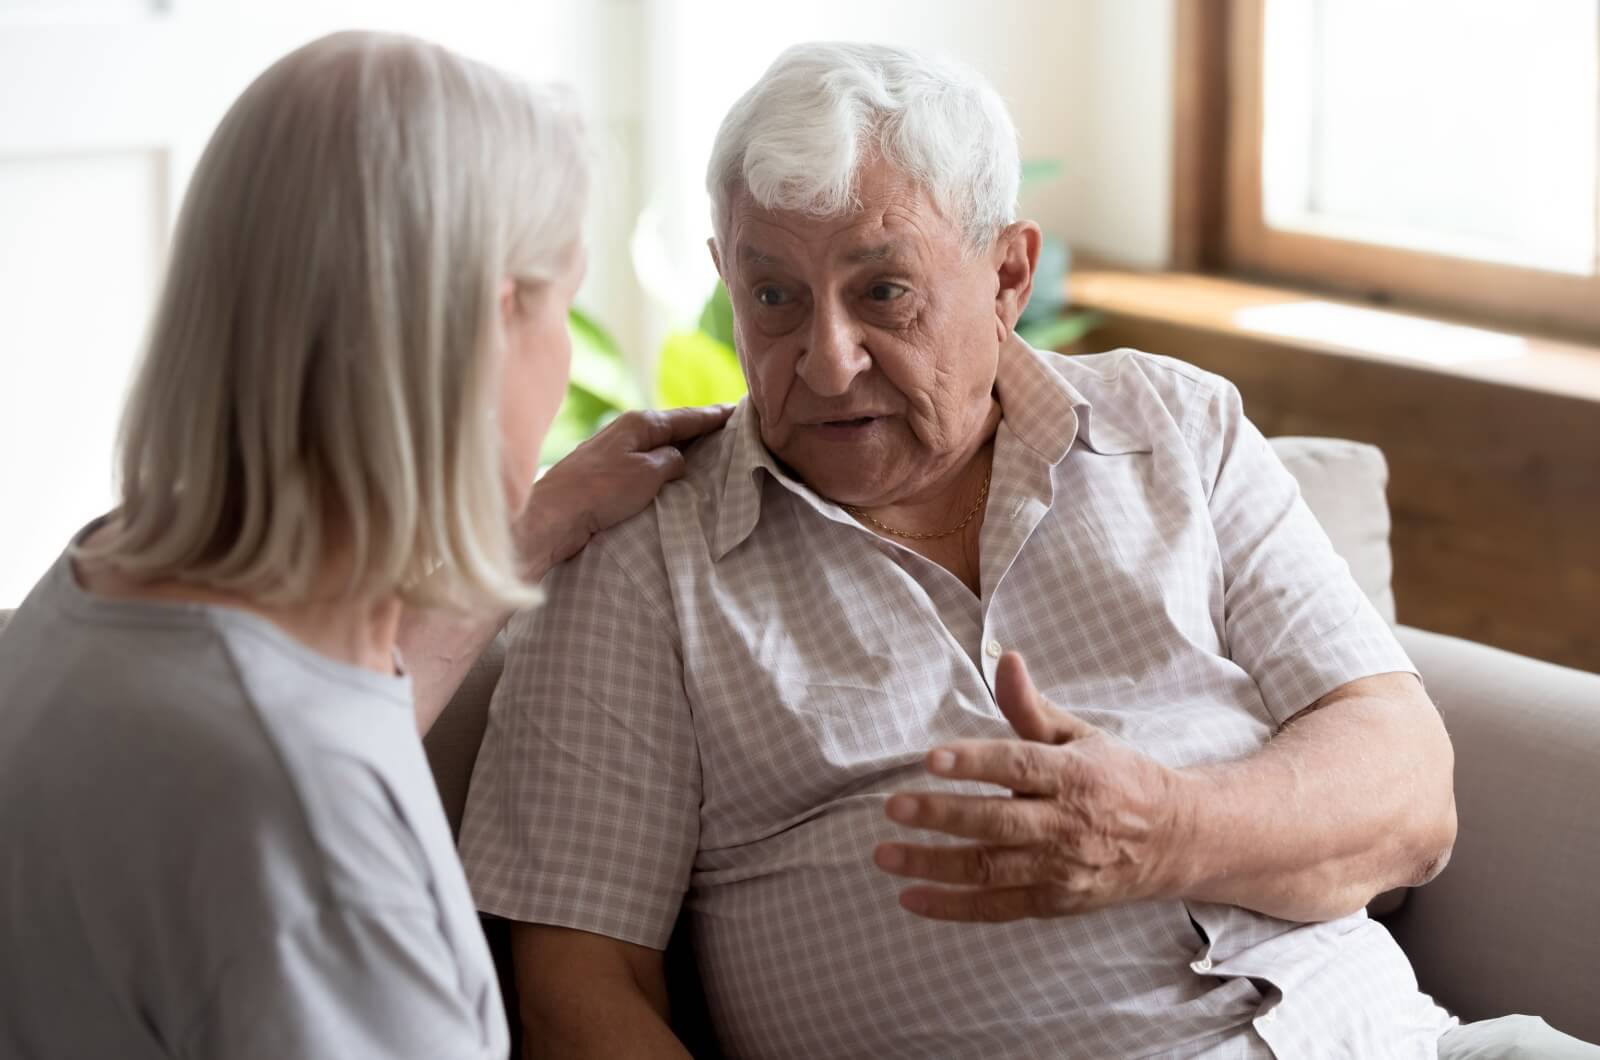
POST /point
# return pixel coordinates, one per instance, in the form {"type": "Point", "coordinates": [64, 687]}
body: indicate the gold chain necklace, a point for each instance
{"type": "Point", "coordinates": [914, 535]}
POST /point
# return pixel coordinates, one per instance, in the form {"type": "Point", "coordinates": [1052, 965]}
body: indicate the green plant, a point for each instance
{"type": "Point", "coordinates": [601, 388]}
{"type": "Point", "coordinates": [1055, 332]}
{"type": "Point", "coordinates": [695, 367]}
{"type": "Point", "coordinates": [700, 367]}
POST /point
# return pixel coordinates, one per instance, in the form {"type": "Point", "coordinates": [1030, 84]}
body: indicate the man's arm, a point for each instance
{"type": "Point", "coordinates": [583, 995]}
{"type": "Point", "coordinates": [1353, 797]}
{"type": "Point", "coordinates": [607, 479]}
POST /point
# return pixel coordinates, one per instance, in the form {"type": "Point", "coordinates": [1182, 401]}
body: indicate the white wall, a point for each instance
{"type": "Point", "coordinates": [1119, 203]}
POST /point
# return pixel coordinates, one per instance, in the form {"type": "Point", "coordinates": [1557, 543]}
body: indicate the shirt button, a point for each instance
{"type": "Point", "coordinates": [993, 649]}
{"type": "Point", "coordinates": [1269, 1015]}
{"type": "Point", "coordinates": [1201, 966]}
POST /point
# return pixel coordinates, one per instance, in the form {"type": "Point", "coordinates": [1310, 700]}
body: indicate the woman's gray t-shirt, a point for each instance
{"type": "Point", "coordinates": [215, 842]}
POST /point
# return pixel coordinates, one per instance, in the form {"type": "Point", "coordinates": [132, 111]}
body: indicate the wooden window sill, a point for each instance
{"type": "Point", "coordinates": [1492, 438]}
{"type": "Point", "coordinates": [1238, 310]}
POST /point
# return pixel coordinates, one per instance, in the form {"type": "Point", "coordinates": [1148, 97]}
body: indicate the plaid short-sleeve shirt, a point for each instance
{"type": "Point", "coordinates": [717, 698]}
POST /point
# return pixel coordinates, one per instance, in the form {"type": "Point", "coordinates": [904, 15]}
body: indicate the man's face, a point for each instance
{"type": "Point", "coordinates": [869, 341]}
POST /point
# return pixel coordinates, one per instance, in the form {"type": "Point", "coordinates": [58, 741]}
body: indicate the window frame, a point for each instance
{"type": "Point", "coordinates": [1217, 207]}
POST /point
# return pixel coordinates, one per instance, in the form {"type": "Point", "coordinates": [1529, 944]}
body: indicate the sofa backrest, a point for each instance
{"type": "Point", "coordinates": [1344, 485]}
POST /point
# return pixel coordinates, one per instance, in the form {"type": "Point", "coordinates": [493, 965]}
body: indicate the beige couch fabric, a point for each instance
{"type": "Point", "coordinates": [1513, 923]}
{"type": "Point", "coordinates": [1344, 484]}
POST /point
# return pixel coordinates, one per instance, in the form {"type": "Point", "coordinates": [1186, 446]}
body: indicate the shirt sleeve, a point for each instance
{"type": "Point", "coordinates": [585, 802]}
{"type": "Point", "coordinates": [348, 981]}
{"type": "Point", "coordinates": [1295, 618]}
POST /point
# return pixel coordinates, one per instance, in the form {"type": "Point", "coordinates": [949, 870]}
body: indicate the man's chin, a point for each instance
{"type": "Point", "coordinates": [840, 478]}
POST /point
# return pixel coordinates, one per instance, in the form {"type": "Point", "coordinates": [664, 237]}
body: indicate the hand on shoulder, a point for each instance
{"type": "Point", "coordinates": [606, 480]}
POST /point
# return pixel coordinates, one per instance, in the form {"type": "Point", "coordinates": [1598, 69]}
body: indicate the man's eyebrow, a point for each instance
{"type": "Point", "coordinates": [878, 253]}
{"type": "Point", "coordinates": [755, 255]}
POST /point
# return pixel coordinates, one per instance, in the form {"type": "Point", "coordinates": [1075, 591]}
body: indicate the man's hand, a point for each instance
{"type": "Point", "coordinates": [607, 479]}
{"type": "Point", "coordinates": [1091, 822]}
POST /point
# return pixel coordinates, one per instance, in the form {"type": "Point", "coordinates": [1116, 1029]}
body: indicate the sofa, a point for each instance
{"type": "Point", "coordinates": [1513, 922]}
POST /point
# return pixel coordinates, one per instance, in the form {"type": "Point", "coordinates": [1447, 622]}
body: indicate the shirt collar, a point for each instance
{"type": "Point", "coordinates": [1040, 405]}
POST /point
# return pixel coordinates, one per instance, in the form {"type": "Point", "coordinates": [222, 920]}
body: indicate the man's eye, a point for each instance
{"type": "Point", "coordinates": [885, 292]}
{"type": "Point", "coordinates": [772, 296]}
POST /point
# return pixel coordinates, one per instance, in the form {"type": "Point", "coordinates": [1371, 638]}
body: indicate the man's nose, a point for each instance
{"type": "Point", "coordinates": [833, 356]}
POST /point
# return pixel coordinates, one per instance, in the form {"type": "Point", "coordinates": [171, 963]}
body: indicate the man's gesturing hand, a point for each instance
{"type": "Point", "coordinates": [1091, 821]}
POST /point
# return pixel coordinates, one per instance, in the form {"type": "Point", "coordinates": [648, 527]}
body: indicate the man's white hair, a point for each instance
{"type": "Point", "coordinates": [797, 139]}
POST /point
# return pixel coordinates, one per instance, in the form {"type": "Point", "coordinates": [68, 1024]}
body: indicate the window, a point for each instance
{"type": "Point", "coordinates": [1439, 152]}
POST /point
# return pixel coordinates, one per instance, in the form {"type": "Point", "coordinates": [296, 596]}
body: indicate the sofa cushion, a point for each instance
{"type": "Point", "coordinates": [1343, 483]}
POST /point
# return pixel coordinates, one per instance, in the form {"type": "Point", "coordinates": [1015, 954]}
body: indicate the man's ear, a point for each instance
{"type": "Point", "coordinates": [716, 257]}
{"type": "Point", "coordinates": [1015, 257]}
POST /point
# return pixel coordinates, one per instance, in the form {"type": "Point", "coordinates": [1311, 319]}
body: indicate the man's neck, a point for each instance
{"type": "Point", "coordinates": [949, 498]}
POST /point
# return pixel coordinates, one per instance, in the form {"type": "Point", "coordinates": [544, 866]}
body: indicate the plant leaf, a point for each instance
{"type": "Point", "coordinates": [716, 319]}
{"type": "Point", "coordinates": [1059, 332]}
{"type": "Point", "coordinates": [580, 415]}
{"type": "Point", "coordinates": [598, 365]}
{"type": "Point", "coordinates": [601, 386]}
{"type": "Point", "coordinates": [1039, 170]}
{"type": "Point", "coordinates": [696, 369]}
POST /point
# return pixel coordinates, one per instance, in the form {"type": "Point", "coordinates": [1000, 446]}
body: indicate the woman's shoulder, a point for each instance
{"type": "Point", "coordinates": [244, 767]}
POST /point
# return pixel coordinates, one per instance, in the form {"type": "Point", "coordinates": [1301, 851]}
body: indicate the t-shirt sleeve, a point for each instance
{"type": "Point", "coordinates": [585, 802]}
{"type": "Point", "coordinates": [347, 981]}
{"type": "Point", "coordinates": [1295, 618]}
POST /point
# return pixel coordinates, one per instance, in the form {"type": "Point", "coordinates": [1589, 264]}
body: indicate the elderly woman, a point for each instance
{"type": "Point", "coordinates": [219, 835]}
{"type": "Point", "coordinates": [741, 703]}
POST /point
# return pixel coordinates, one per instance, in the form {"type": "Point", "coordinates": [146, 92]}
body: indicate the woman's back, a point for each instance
{"type": "Point", "coordinates": [236, 837]}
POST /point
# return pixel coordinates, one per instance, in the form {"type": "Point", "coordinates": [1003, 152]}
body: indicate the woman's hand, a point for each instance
{"type": "Point", "coordinates": [605, 480]}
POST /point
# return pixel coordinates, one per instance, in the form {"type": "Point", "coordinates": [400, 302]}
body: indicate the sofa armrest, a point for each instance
{"type": "Point", "coordinates": [1509, 926]}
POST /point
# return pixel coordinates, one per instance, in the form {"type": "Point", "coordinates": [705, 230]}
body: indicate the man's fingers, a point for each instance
{"type": "Point", "coordinates": [969, 864]}
{"type": "Point", "coordinates": [1026, 768]}
{"type": "Point", "coordinates": [992, 905]}
{"type": "Point", "coordinates": [675, 426]}
{"type": "Point", "coordinates": [991, 818]}
{"type": "Point", "coordinates": [1032, 716]}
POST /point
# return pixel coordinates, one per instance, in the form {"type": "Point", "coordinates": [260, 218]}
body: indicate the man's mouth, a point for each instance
{"type": "Point", "coordinates": [845, 428]}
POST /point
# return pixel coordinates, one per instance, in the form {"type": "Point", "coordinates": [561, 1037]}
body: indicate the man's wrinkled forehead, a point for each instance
{"type": "Point", "coordinates": [757, 248]}
{"type": "Point", "coordinates": [894, 233]}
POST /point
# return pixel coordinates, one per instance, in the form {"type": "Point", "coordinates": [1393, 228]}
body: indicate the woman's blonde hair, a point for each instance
{"type": "Point", "coordinates": [318, 377]}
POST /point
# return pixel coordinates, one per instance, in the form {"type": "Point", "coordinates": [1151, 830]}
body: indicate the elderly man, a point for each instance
{"type": "Point", "coordinates": [791, 699]}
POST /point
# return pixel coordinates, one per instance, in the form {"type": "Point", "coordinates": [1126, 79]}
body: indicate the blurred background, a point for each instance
{"type": "Point", "coordinates": [1377, 216]}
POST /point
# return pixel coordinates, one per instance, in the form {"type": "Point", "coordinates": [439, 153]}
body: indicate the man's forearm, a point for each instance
{"type": "Point", "coordinates": [627, 1026]}
{"type": "Point", "coordinates": [587, 997]}
{"type": "Point", "coordinates": [1352, 798]}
